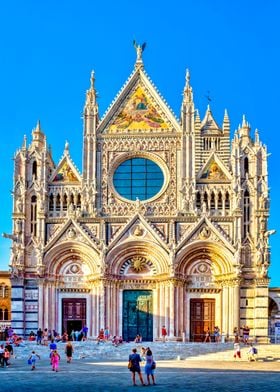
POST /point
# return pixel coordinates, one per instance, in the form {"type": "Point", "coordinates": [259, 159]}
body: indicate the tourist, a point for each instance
{"type": "Point", "coordinates": [52, 347]}
{"type": "Point", "coordinates": [207, 336]}
{"type": "Point", "coordinates": [72, 334]}
{"type": "Point", "coordinates": [69, 351]}
{"type": "Point", "coordinates": [55, 358]}
{"type": "Point", "coordinates": [9, 347]}
{"type": "Point", "coordinates": [107, 333]}
{"type": "Point", "coordinates": [236, 335]}
{"type": "Point", "coordinates": [143, 353]}
{"type": "Point", "coordinates": [134, 366]}
{"type": "Point", "coordinates": [237, 352]}
{"type": "Point", "coordinates": [150, 366]}
{"type": "Point", "coordinates": [45, 337]}
{"type": "Point", "coordinates": [85, 332]}
{"type": "Point", "coordinates": [217, 334]}
{"type": "Point", "coordinates": [246, 333]}
{"type": "Point", "coordinates": [77, 334]}
{"type": "Point", "coordinates": [2, 355]}
{"type": "Point", "coordinates": [32, 359]}
{"type": "Point", "coordinates": [163, 333]}
{"type": "Point", "coordinates": [64, 337]}
{"type": "Point", "coordinates": [100, 337]}
{"type": "Point", "coordinates": [252, 353]}
{"type": "Point", "coordinates": [138, 339]}
{"type": "Point", "coordinates": [39, 336]}
{"type": "Point", "coordinates": [6, 357]}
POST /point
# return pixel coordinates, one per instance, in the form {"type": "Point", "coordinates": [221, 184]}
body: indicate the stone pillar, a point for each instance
{"type": "Point", "coordinates": [187, 315]}
{"type": "Point", "coordinates": [46, 307]}
{"type": "Point", "coordinates": [161, 310]}
{"type": "Point", "coordinates": [225, 311]}
{"type": "Point", "coordinates": [155, 313]}
{"type": "Point", "coordinates": [120, 313]}
{"type": "Point", "coordinates": [40, 304]}
{"type": "Point", "coordinates": [166, 307]}
{"type": "Point", "coordinates": [171, 307]}
{"type": "Point", "coordinates": [236, 306]}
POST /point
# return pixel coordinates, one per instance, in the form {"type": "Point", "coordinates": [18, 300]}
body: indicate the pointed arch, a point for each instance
{"type": "Point", "coordinates": [156, 257]}
{"type": "Point", "coordinates": [220, 258]}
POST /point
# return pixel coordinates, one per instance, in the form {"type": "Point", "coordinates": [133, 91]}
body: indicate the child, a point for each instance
{"type": "Point", "coordinates": [252, 353]}
{"type": "Point", "coordinates": [55, 358]}
{"type": "Point", "coordinates": [32, 358]}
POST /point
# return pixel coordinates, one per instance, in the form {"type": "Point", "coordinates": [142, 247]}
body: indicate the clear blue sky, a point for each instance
{"type": "Point", "coordinates": [48, 49]}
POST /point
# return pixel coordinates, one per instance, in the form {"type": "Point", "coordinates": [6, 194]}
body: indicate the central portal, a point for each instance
{"type": "Point", "coordinates": [137, 314]}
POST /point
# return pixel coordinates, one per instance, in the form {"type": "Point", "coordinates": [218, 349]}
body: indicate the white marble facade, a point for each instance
{"type": "Point", "coordinates": [198, 237]}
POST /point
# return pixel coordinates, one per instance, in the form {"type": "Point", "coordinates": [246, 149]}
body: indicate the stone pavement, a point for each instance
{"type": "Point", "coordinates": [110, 373]}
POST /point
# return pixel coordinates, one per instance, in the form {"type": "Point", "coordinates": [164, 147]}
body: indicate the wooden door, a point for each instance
{"type": "Point", "coordinates": [73, 314]}
{"type": "Point", "coordinates": [202, 317]}
{"type": "Point", "coordinates": [137, 314]}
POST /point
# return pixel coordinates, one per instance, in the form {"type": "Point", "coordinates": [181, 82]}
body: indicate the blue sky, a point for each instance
{"type": "Point", "coordinates": [48, 49]}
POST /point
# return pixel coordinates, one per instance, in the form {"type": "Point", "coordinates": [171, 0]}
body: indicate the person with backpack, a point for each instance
{"type": "Point", "coordinates": [252, 353]}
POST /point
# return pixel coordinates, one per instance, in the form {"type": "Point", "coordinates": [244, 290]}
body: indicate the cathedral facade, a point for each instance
{"type": "Point", "coordinates": [166, 224]}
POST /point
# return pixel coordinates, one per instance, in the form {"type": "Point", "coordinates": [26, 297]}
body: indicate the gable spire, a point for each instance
{"type": "Point", "coordinates": [188, 94]}
{"type": "Point", "coordinates": [91, 96]}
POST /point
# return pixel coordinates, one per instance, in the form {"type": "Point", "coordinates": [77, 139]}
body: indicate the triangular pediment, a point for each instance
{"type": "Point", "coordinates": [72, 231]}
{"type": "Point", "coordinates": [204, 230]}
{"type": "Point", "coordinates": [138, 229]}
{"type": "Point", "coordinates": [214, 171]}
{"type": "Point", "coordinates": [65, 172]}
{"type": "Point", "coordinates": [138, 108]}
{"type": "Point", "coordinates": [208, 125]}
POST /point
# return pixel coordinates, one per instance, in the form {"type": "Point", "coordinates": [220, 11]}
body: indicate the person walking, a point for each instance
{"type": "Point", "coordinates": [134, 363]}
{"type": "Point", "coordinates": [150, 366]}
{"type": "Point", "coordinates": [55, 358]}
{"type": "Point", "coordinates": [237, 352]}
{"type": "Point", "coordinates": [69, 351]}
{"type": "Point", "coordinates": [32, 359]}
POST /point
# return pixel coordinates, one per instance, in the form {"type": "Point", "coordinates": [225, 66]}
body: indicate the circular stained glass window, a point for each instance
{"type": "Point", "coordinates": [138, 178]}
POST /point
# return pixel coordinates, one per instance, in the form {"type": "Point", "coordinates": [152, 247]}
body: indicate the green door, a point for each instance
{"type": "Point", "coordinates": [137, 314]}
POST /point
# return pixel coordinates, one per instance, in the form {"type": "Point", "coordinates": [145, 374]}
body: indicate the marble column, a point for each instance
{"type": "Point", "coordinates": [171, 307]}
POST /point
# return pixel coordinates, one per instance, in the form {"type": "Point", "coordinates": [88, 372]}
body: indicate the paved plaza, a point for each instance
{"type": "Point", "coordinates": [86, 373]}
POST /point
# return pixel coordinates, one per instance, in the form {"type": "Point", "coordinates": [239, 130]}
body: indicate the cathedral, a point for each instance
{"type": "Point", "coordinates": [166, 225]}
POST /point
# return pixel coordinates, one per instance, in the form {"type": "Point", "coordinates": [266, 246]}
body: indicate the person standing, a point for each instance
{"type": "Point", "coordinates": [69, 351]}
{"type": "Point", "coordinates": [237, 352]}
{"type": "Point", "coordinates": [39, 336]}
{"type": "Point", "coordinates": [135, 360]}
{"type": "Point", "coordinates": [163, 333]}
{"type": "Point", "coordinates": [107, 333]}
{"type": "Point", "coordinates": [207, 336]}
{"type": "Point", "coordinates": [85, 332]}
{"type": "Point", "coordinates": [150, 366]}
{"type": "Point", "coordinates": [246, 333]}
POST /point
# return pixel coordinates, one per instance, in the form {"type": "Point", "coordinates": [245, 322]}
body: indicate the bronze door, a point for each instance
{"type": "Point", "coordinates": [137, 314]}
{"type": "Point", "coordinates": [73, 314]}
{"type": "Point", "coordinates": [202, 317]}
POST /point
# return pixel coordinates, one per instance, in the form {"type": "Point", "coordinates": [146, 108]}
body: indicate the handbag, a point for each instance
{"type": "Point", "coordinates": [29, 361]}
{"type": "Point", "coordinates": [130, 364]}
{"type": "Point", "coordinates": [154, 365]}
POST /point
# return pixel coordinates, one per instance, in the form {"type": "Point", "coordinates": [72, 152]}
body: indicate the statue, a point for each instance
{"type": "Point", "coordinates": [139, 50]}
